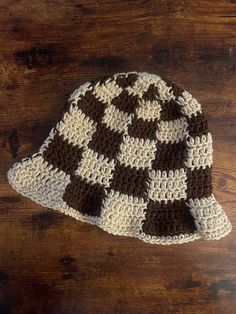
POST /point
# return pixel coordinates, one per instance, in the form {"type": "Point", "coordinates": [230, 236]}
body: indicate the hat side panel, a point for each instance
{"type": "Point", "coordinates": [210, 218]}
{"type": "Point", "coordinates": [167, 217]}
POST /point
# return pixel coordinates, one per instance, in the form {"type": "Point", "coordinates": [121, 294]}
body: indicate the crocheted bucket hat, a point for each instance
{"type": "Point", "coordinates": [131, 154]}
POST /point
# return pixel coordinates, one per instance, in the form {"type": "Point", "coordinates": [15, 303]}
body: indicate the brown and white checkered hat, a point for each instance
{"type": "Point", "coordinates": [131, 154]}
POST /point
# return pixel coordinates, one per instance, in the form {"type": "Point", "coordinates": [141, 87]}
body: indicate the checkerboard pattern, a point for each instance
{"type": "Point", "coordinates": [133, 155]}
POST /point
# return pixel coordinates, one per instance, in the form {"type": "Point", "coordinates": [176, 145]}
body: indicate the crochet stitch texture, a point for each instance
{"type": "Point", "coordinates": [131, 154]}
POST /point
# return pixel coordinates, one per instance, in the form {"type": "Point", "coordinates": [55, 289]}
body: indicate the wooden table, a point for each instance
{"type": "Point", "coordinates": [50, 263]}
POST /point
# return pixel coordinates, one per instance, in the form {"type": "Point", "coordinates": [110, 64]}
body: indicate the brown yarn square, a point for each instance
{"type": "Point", "coordinates": [106, 141]}
{"type": "Point", "coordinates": [170, 110]}
{"type": "Point", "coordinates": [126, 102]}
{"type": "Point", "coordinates": [197, 125]}
{"type": "Point", "coordinates": [143, 129]}
{"type": "Point", "coordinates": [170, 156]}
{"type": "Point", "coordinates": [129, 180]}
{"type": "Point", "coordinates": [85, 197]}
{"type": "Point", "coordinates": [152, 93]}
{"type": "Point", "coordinates": [171, 218]}
{"type": "Point", "coordinates": [91, 106]}
{"type": "Point", "coordinates": [63, 155]}
{"type": "Point", "coordinates": [199, 182]}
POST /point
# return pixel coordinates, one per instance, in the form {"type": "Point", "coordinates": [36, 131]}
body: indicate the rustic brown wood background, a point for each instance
{"type": "Point", "coordinates": [50, 263]}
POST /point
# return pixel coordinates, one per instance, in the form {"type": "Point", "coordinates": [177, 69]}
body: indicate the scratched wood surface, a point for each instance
{"type": "Point", "coordinates": [50, 263]}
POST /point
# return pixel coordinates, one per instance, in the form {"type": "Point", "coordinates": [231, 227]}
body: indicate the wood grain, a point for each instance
{"type": "Point", "coordinates": [50, 263]}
